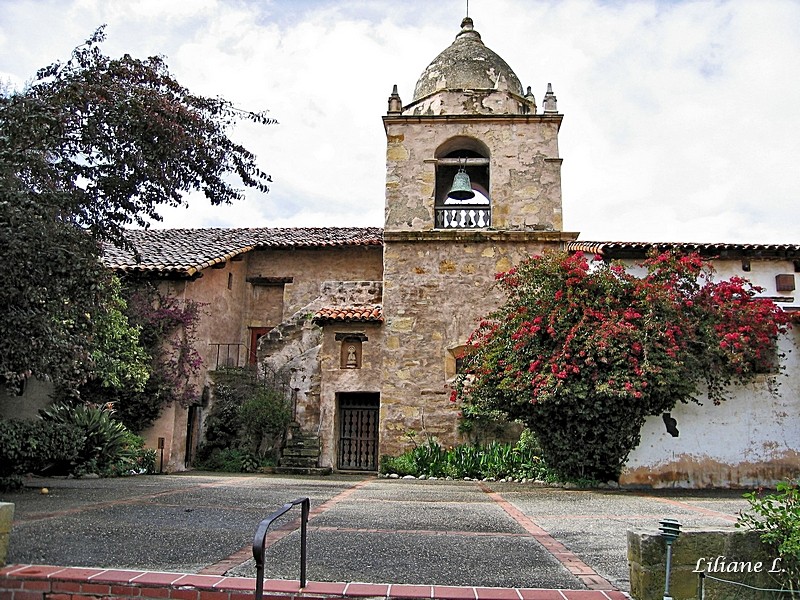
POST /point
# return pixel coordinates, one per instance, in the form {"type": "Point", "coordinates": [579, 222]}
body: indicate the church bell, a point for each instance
{"type": "Point", "coordinates": [461, 188]}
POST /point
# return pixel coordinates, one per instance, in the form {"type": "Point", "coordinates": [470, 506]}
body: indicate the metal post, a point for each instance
{"type": "Point", "coordinates": [305, 506]}
{"type": "Point", "coordinates": [670, 530]}
{"type": "Point", "coordinates": [669, 568]}
{"type": "Point", "coordinates": [259, 542]}
{"type": "Point", "coordinates": [161, 448]}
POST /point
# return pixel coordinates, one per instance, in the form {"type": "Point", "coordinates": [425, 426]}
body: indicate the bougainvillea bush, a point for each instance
{"type": "Point", "coordinates": [583, 351]}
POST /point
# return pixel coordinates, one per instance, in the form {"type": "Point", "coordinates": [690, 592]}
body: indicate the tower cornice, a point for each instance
{"type": "Point", "coordinates": [474, 118]}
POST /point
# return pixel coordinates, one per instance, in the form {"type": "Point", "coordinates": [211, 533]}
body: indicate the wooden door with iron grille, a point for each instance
{"type": "Point", "coordinates": [358, 431]}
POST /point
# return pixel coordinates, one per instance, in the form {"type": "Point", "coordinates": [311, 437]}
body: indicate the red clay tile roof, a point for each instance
{"type": "Point", "coordinates": [373, 314]}
{"type": "Point", "coordinates": [640, 249]}
{"type": "Point", "coordinates": [184, 252]}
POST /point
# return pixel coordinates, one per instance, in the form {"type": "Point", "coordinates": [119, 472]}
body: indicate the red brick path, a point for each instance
{"type": "Point", "coordinates": [28, 582]}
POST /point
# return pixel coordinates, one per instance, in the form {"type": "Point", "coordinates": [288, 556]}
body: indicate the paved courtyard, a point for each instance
{"type": "Point", "coordinates": [462, 533]}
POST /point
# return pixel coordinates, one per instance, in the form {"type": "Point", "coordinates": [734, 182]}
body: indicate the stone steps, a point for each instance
{"type": "Point", "coordinates": [300, 455]}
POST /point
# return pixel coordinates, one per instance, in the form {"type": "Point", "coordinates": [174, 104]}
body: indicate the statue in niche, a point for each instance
{"type": "Point", "coordinates": [349, 352]}
{"type": "Point", "coordinates": [352, 361]}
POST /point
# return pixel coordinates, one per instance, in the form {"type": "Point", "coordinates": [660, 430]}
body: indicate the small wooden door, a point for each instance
{"type": "Point", "coordinates": [358, 431]}
{"type": "Point", "coordinates": [255, 334]}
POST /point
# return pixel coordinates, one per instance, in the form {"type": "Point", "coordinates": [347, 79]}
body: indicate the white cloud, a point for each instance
{"type": "Point", "coordinates": [680, 117]}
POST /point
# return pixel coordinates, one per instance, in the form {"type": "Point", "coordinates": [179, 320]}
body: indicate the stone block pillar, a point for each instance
{"type": "Point", "coordinates": [725, 553]}
{"type": "Point", "coordinates": [6, 517]}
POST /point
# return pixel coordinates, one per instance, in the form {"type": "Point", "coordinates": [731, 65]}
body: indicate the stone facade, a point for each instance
{"type": "Point", "coordinates": [368, 324]}
{"type": "Point", "coordinates": [468, 113]}
{"type": "Point", "coordinates": [338, 378]}
{"type": "Point", "coordinates": [437, 287]}
{"type": "Point", "coordinates": [277, 290]}
{"type": "Point", "coordinates": [524, 173]}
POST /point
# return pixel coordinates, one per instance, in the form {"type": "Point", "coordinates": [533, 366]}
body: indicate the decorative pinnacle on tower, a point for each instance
{"type": "Point", "coordinates": [549, 102]}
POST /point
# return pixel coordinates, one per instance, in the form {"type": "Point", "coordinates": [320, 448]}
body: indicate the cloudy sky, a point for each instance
{"type": "Point", "coordinates": [681, 118]}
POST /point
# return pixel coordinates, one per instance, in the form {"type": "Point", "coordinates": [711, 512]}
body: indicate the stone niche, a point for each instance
{"type": "Point", "coordinates": [351, 351]}
{"type": "Point", "coordinates": [726, 552]}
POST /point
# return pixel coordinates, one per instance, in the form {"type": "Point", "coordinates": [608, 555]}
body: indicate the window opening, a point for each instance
{"type": "Point", "coordinates": [462, 167]}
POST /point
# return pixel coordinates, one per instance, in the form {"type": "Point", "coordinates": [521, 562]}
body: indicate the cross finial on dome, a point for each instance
{"type": "Point", "coordinates": [468, 30]}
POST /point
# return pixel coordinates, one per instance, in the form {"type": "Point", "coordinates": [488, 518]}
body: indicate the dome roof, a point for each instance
{"type": "Point", "coordinates": [467, 64]}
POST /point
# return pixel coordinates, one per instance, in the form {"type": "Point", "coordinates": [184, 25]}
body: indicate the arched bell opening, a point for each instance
{"type": "Point", "coordinates": [462, 185]}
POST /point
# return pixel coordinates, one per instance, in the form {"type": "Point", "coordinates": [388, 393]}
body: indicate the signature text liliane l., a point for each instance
{"type": "Point", "coordinates": [721, 564]}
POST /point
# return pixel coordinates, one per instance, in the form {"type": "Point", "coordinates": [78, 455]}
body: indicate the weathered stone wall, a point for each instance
{"type": "Point", "coordinates": [695, 549]}
{"type": "Point", "coordinates": [295, 347]}
{"type": "Point", "coordinates": [265, 307]}
{"type": "Point", "coordinates": [231, 306]}
{"type": "Point", "coordinates": [437, 287]}
{"type": "Point", "coordinates": [310, 266]}
{"type": "Point", "coordinates": [469, 102]}
{"type": "Point", "coordinates": [221, 321]}
{"type": "Point", "coordinates": [292, 349]}
{"type": "Point", "coordinates": [223, 311]}
{"type": "Point", "coordinates": [336, 379]}
{"type": "Point", "coordinates": [525, 171]}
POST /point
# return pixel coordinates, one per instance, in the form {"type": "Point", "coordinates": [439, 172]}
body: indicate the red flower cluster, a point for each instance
{"type": "Point", "coordinates": [575, 328]}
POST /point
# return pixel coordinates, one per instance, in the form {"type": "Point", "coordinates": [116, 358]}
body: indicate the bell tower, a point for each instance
{"type": "Point", "coordinates": [469, 114]}
{"type": "Point", "coordinates": [473, 187]}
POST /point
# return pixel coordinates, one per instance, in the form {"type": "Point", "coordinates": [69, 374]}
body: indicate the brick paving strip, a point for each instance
{"type": "Point", "coordinates": [586, 574]}
{"type": "Point", "coordinates": [40, 582]}
{"type": "Point", "coordinates": [698, 509]}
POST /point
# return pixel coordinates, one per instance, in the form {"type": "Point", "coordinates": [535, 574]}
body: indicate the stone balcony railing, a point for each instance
{"type": "Point", "coordinates": [464, 217]}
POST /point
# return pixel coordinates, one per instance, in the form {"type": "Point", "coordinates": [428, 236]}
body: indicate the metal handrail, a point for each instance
{"type": "Point", "coordinates": [260, 540]}
{"type": "Point", "coordinates": [227, 354]}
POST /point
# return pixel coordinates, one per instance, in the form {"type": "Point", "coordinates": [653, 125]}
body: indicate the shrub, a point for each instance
{"type": "Point", "coordinates": [246, 424]}
{"type": "Point", "coordinates": [777, 516]}
{"type": "Point", "coordinates": [228, 460]}
{"type": "Point", "coordinates": [166, 334]}
{"type": "Point", "coordinates": [134, 459]}
{"type": "Point", "coordinates": [476, 461]}
{"type": "Point", "coordinates": [37, 447]}
{"type": "Point", "coordinates": [264, 416]}
{"type": "Point", "coordinates": [582, 351]}
{"type": "Point", "coordinates": [104, 438]}
{"type": "Point", "coordinates": [402, 465]}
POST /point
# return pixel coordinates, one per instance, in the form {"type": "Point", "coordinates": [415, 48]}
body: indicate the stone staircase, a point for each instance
{"type": "Point", "coordinates": [300, 455]}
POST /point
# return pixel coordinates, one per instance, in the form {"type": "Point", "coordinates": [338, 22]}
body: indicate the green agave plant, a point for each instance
{"type": "Point", "coordinates": [106, 439]}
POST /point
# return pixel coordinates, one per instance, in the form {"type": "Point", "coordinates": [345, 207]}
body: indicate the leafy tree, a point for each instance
{"type": "Point", "coordinates": [160, 336]}
{"type": "Point", "coordinates": [93, 145]}
{"type": "Point", "coordinates": [582, 351]}
{"type": "Point", "coordinates": [119, 360]}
